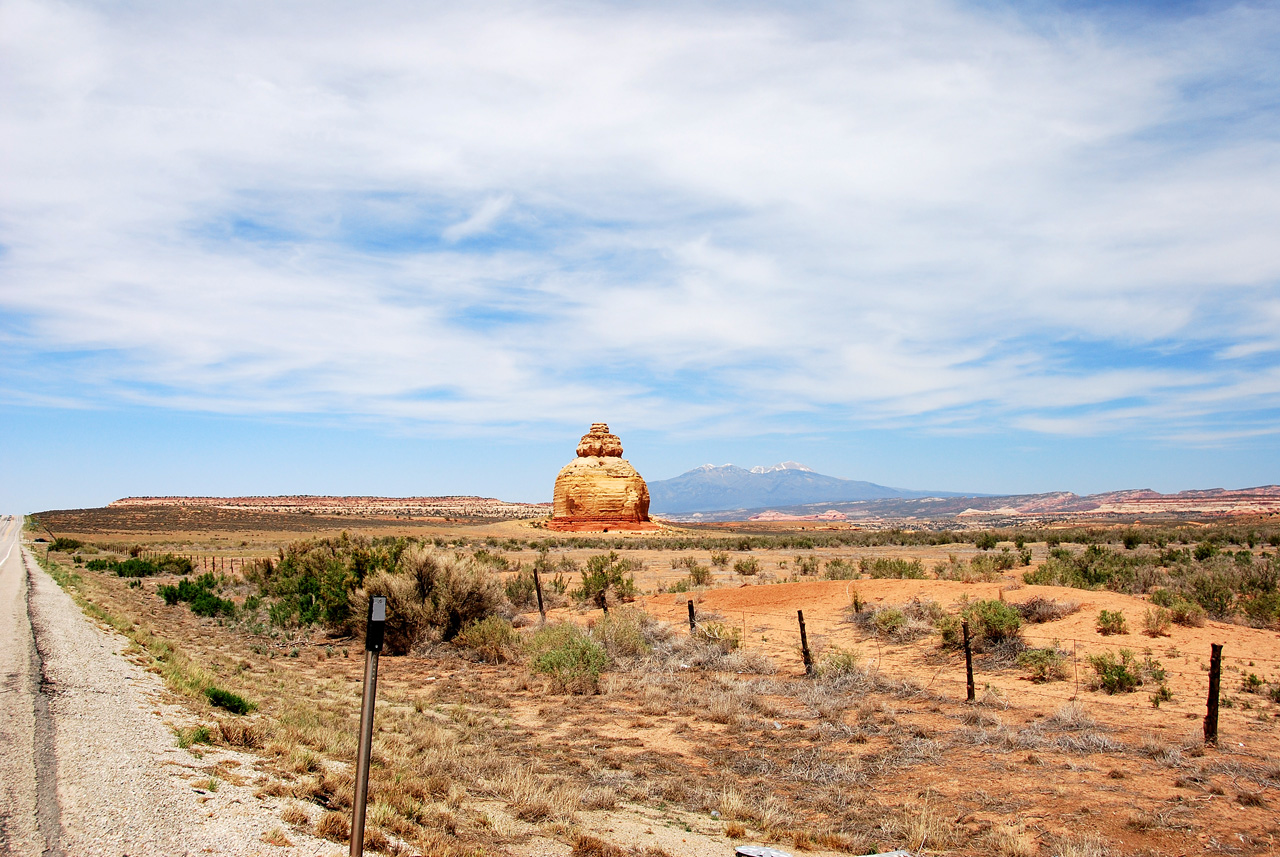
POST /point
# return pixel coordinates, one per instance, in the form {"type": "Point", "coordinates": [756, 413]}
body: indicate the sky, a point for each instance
{"type": "Point", "coordinates": [407, 248]}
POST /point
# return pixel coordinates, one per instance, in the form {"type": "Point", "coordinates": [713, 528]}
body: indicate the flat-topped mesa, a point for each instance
{"type": "Point", "coordinates": [599, 490]}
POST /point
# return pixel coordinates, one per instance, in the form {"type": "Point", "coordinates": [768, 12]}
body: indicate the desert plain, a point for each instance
{"type": "Point", "coordinates": [693, 740]}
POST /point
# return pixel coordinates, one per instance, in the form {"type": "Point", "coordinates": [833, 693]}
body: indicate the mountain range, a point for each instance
{"type": "Point", "coordinates": [712, 488]}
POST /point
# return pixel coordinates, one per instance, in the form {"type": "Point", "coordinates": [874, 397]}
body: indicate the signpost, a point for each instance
{"type": "Point", "coordinates": [375, 630]}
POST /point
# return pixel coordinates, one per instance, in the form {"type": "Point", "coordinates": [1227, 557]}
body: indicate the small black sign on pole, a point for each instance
{"type": "Point", "coordinates": [375, 630]}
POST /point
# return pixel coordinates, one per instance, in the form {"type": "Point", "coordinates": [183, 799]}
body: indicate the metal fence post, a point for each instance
{"type": "Point", "coordinates": [375, 630]}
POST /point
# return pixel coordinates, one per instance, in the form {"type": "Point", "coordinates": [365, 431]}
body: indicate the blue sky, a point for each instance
{"type": "Point", "coordinates": [410, 248]}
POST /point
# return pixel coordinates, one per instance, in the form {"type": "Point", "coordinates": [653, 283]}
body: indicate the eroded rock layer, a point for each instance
{"type": "Point", "coordinates": [600, 490]}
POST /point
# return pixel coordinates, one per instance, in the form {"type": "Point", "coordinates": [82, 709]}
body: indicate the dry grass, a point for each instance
{"type": "Point", "coordinates": [471, 756]}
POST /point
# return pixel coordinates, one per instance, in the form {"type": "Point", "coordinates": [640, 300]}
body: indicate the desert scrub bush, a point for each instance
{"type": "Point", "coordinates": [718, 634]}
{"type": "Point", "coordinates": [808, 565]}
{"type": "Point", "coordinates": [1037, 610]}
{"type": "Point", "coordinates": [886, 567]}
{"type": "Point", "coordinates": [991, 623]}
{"type": "Point", "coordinates": [982, 567]}
{"type": "Point", "coordinates": [986, 540]}
{"type": "Point", "coordinates": [624, 633]}
{"type": "Point", "coordinates": [568, 657]}
{"type": "Point", "coordinates": [521, 591]}
{"type": "Point", "coordinates": [1042, 665]}
{"type": "Point", "coordinates": [1122, 672]}
{"type": "Point", "coordinates": [431, 595]}
{"type": "Point", "coordinates": [228, 701]}
{"type": "Point", "coordinates": [605, 575]}
{"type": "Point", "coordinates": [1097, 567]}
{"type": "Point", "coordinates": [887, 621]}
{"type": "Point", "coordinates": [699, 574]}
{"type": "Point", "coordinates": [836, 662]}
{"type": "Point", "coordinates": [1181, 611]}
{"type": "Point", "coordinates": [198, 594]}
{"type": "Point", "coordinates": [747, 567]}
{"type": "Point", "coordinates": [840, 569]}
{"type": "Point", "coordinates": [1157, 622]}
{"type": "Point", "coordinates": [1111, 622]}
{"type": "Point", "coordinates": [719, 559]}
{"type": "Point", "coordinates": [492, 639]}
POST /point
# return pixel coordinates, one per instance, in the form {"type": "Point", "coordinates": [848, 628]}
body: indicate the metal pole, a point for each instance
{"type": "Point", "coordinates": [374, 632]}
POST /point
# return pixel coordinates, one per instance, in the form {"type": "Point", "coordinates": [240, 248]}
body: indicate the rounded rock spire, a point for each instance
{"type": "Point", "coordinates": [600, 490]}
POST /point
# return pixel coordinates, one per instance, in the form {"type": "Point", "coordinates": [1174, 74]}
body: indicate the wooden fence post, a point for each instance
{"type": "Point", "coordinates": [968, 661]}
{"type": "Point", "coordinates": [1215, 682]}
{"type": "Point", "coordinates": [693, 624]}
{"type": "Point", "coordinates": [537, 588]}
{"type": "Point", "coordinates": [804, 646]}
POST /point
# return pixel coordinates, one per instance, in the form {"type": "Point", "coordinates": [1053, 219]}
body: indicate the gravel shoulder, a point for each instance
{"type": "Point", "coordinates": [124, 787]}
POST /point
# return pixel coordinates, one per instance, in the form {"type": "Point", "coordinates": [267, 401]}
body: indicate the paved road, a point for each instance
{"type": "Point", "coordinates": [88, 763]}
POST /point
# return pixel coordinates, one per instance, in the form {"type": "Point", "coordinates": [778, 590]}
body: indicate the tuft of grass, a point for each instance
{"type": "Point", "coordinates": [225, 699]}
{"type": "Point", "coordinates": [334, 827]}
{"type": "Point", "coordinates": [193, 735]}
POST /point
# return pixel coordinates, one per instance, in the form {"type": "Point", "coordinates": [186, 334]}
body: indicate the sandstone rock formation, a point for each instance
{"type": "Point", "coordinates": [599, 490]}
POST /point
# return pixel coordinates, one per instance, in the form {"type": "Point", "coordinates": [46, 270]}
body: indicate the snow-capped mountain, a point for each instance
{"type": "Point", "coordinates": [727, 486]}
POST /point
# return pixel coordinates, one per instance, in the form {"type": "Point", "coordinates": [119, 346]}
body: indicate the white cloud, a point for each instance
{"type": "Point", "coordinates": [481, 221]}
{"type": "Point", "coordinates": [915, 212]}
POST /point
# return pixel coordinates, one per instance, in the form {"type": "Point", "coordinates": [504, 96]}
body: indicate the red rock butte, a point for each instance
{"type": "Point", "coordinates": [599, 491]}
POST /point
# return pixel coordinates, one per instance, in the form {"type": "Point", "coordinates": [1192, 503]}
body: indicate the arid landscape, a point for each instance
{"type": "Point", "coordinates": [627, 732]}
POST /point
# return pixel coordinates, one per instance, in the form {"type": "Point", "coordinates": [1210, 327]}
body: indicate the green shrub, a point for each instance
{"type": "Point", "coordinates": [1212, 590]}
{"type": "Point", "coordinates": [199, 595]}
{"type": "Point", "coordinates": [841, 569]}
{"type": "Point", "coordinates": [1116, 674]}
{"type": "Point", "coordinates": [1111, 622]}
{"type": "Point", "coordinates": [699, 575]}
{"type": "Point", "coordinates": [225, 699]}
{"type": "Point", "coordinates": [808, 565]}
{"type": "Point", "coordinates": [885, 567]}
{"type": "Point", "coordinates": [492, 638]}
{"type": "Point", "coordinates": [991, 622]}
{"type": "Point", "coordinates": [719, 559]}
{"type": "Point", "coordinates": [747, 567]}
{"type": "Point", "coordinates": [1121, 672]}
{"type": "Point", "coordinates": [994, 620]}
{"type": "Point", "coordinates": [606, 574]}
{"type": "Point", "coordinates": [1044, 664]}
{"type": "Point", "coordinates": [65, 545]}
{"type": "Point", "coordinates": [986, 540]}
{"type": "Point", "coordinates": [521, 591]}
{"type": "Point", "coordinates": [568, 657]}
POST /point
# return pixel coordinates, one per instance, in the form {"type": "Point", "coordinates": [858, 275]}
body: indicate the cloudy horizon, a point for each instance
{"type": "Point", "coordinates": [989, 245]}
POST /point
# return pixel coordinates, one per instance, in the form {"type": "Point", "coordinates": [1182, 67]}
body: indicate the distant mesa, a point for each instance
{"type": "Point", "coordinates": [599, 491]}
